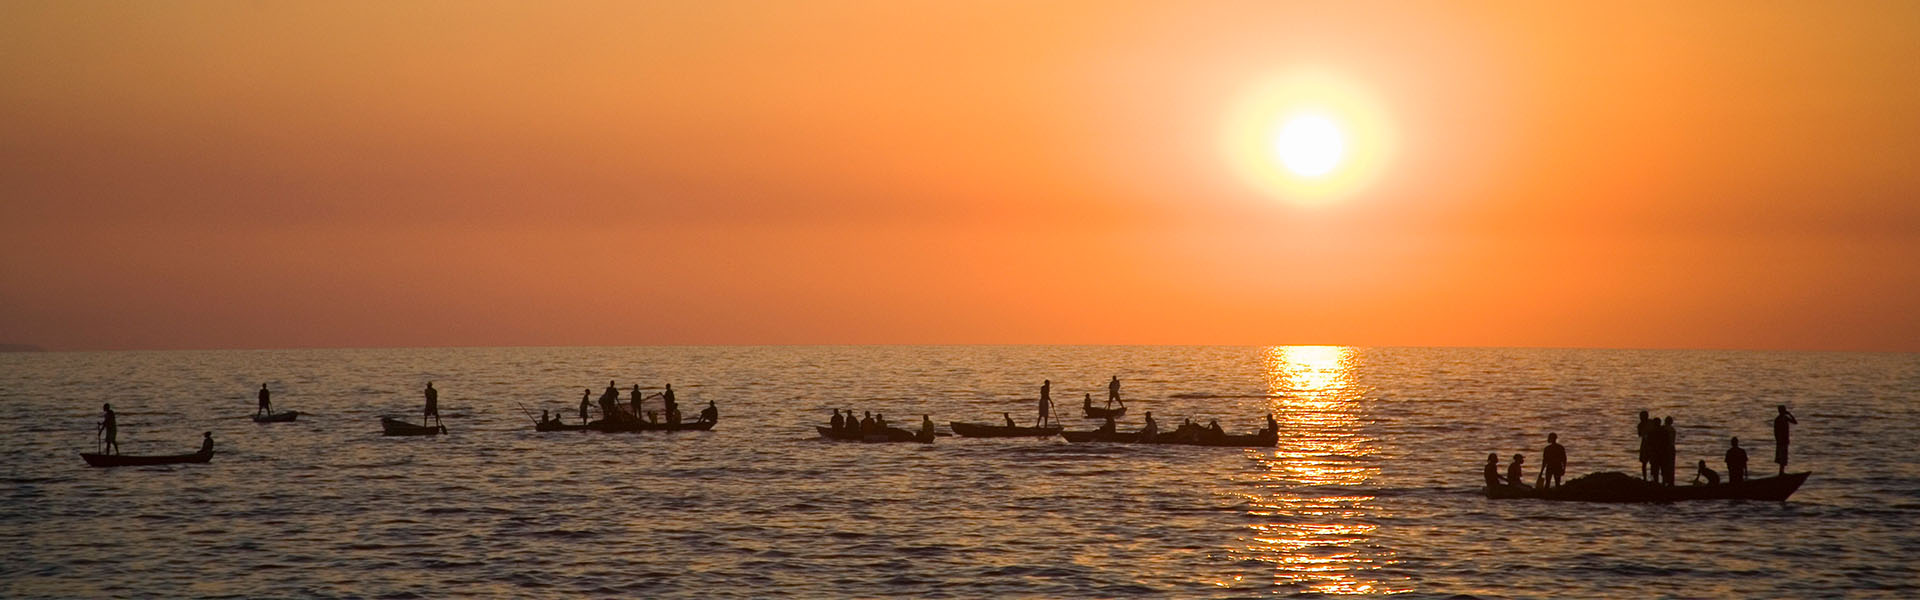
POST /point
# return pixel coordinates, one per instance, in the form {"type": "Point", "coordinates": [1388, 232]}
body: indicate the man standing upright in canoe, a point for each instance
{"type": "Point", "coordinates": [1113, 392]}
{"type": "Point", "coordinates": [1781, 431]}
{"type": "Point", "coordinates": [1046, 402]}
{"type": "Point", "coordinates": [433, 405]}
{"type": "Point", "coordinates": [266, 403]}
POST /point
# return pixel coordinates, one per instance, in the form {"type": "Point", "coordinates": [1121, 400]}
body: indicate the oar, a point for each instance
{"type": "Point", "coordinates": [529, 413]}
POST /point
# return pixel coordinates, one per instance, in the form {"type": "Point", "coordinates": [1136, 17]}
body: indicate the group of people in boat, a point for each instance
{"type": "Point", "coordinates": [848, 426]}
{"type": "Point", "coordinates": [633, 411]}
{"type": "Point", "coordinates": [1658, 452]}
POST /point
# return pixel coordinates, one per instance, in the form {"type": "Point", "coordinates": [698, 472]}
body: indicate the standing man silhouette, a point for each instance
{"type": "Point", "coordinates": [1781, 431]}
{"type": "Point", "coordinates": [1046, 399]}
{"type": "Point", "coordinates": [1113, 392]}
{"type": "Point", "coordinates": [433, 405]}
{"type": "Point", "coordinates": [266, 403]}
{"type": "Point", "coordinates": [1736, 463]}
{"type": "Point", "coordinates": [109, 426]}
{"type": "Point", "coordinates": [1553, 462]}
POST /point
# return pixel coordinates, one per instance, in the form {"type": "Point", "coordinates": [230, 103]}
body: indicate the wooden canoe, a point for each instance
{"type": "Point", "coordinates": [1613, 486]}
{"type": "Point", "coordinates": [392, 426]}
{"type": "Point", "coordinates": [890, 434]}
{"type": "Point", "coordinates": [1095, 412]}
{"type": "Point", "coordinates": [1263, 439]}
{"type": "Point", "coordinates": [280, 417]}
{"type": "Point", "coordinates": [982, 430]}
{"type": "Point", "coordinates": [128, 460]}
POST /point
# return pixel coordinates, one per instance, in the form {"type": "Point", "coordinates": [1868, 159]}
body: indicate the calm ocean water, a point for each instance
{"type": "Point", "coordinates": [1373, 489]}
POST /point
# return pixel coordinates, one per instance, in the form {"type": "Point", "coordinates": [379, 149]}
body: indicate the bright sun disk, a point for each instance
{"type": "Point", "coordinates": [1310, 145]}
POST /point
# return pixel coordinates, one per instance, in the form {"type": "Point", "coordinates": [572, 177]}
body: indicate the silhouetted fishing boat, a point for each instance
{"type": "Point", "coordinates": [1095, 412]}
{"type": "Point", "coordinates": [890, 434]}
{"type": "Point", "coordinates": [286, 416]}
{"type": "Point", "coordinates": [982, 430]}
{"type": "Point", "coordinates": [1613, 486]}
{"type": "Point", "coordinates": [128, 460]}
{"type": "Point", "coordinates": [558, 426]}
{"type": "Point", "coordinates": [392, 426]}
{"type": "Point", "coordinates": [633, 426]}
{"type": "Point", "coordinates": [1263, 439]}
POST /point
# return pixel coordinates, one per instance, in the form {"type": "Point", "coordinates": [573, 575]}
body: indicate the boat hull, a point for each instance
{"type": "Point", "coordinates": [1254, 440]}
{"type": "Point", "coordinates": [1001, 431]}
{"type": "Point", "coordinates": [126, 460]}
{"type": "Point", "coordinates": [279, 417]}
{"type": "Point", "coordinates": [639, 426]}
{"type": "Point", "coordinates": [1620, 487]}
{"type": "Point", "coordinates": [890, 434]}
{"type": "Point", "coordinates": [1095, 412]}
{"type": "Point", "coordinates": [392, 426]}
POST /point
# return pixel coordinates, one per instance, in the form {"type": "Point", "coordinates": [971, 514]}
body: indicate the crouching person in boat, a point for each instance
{"type": "Point", "coordinates": [1107, 427]}
{"type": "Point", "coordinates": [206, 443]}
{"type": "Point", "coordinates": [710, 414]}
{"type": "Point", "coordinates": [1150, 430]}
{"type": "Point", "coordinates": [1515, 472]}
{"type": "Point", "coordinates": [1706, 473]}
{"type": "Point", "coordinates": [1492, 472]}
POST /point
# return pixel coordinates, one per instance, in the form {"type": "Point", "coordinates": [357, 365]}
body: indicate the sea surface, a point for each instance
{"type": "Point", "coordinates": [1374, 488]}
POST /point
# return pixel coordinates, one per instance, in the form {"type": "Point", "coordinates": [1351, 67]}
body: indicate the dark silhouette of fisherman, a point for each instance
{"type": "Point", "coordinates": [710, 414]}
{"type": "Point", "coordinates": [1492, 472]}
{"type": "Point", "coordinates": [1736, 463]}
{"type": "Point", "coordinates": [1113, 392]}
{"type": "Point", "coordinates": [1704, 472]}
{"type": "Point", "coordinates": [1151, 429]}
{"type": "Point", "coordinates": [1649, 441]}
{"type": "Point", "coordinates": [1009, 419]}
{"type": "Point", "coordinates": [672, 406]}
{"type": "Point", "coordinates": [1272, 426]}
{"type": "Point", "coordinates": [584, 394]}
{"type": "Point", "coordinates": [1669, 451]}
{"type": "Point", "coordinates": [1781, 430]}
{"type": "Point", "coordinates": [1086, 403]}
{"type": "Point", "coordinates": [109, 427]}
{"type": "Point", "coordinates": [867, 423]}
{"type": "Point", "coordinates": [433, 405]}
{"type": "Point", "coordinates": [926, 426]}
{"type": "Point", "coordinates": [266, 402]}
{"type": "Point", "coordinates": [634, 401]}
{"type": "Point", "coordinates": [206, 443]}
{"type": "Point", "coordinates": [1514, 471]}
{"type": "Point", "coordinates": [1109, 426]}
{"type": "Point", "coordinates": [837, 423]}
{"type": "Point", "coordinates": [1046, 402]}
{"type": "Point", "coordinates": [1553, 462]}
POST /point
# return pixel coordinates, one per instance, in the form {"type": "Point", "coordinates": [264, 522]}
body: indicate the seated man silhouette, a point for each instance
{"type": "Point", "coordinates": [1514, 471]}
{"type": "Point", "coordinates": [1492, 471]}
{"type": "Point", "coordinates": [1736, 463]}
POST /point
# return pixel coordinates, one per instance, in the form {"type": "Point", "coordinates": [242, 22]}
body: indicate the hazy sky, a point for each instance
{"type": "Point", "coordinates": [293, 174]}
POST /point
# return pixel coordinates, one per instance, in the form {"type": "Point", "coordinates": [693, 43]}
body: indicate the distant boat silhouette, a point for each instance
{"type": "Point", "coordinates": [1620, 487]}
{"type": "Point", "coordinates": [627, 426]}
{"type": "Point", "coordinates": [286, 416]}
{"type": "Point", "coordinates": [1095, 412]}
{"type": "Point", "coordinates": [890, 434]}
{"type": "Point", "coordinates": [392, 426]}
{"type": "Point", "coordinates": [989, 431]}
{"type": "Point", "coordinates": [128, 460]}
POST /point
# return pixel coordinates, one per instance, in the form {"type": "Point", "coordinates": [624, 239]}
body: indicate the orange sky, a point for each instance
{"type": "Point", "coordinates": [208, 175]}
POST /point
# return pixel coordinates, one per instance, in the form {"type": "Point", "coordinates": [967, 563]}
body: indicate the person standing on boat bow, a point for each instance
{"type": "Point", "coordinates": [266, 403]}
{"type": "Point", "coordinates": [1046, 402]}
{"type": "Point", "coordinates": [1781, 431]}
{"type": "Point", "coordinates": [1646, 430]}
{"type": "Point", "coordinates": [672, 407]}
{"type": "Point", "coordinates": [1553, 462]}
{"type": "Point", "coordinates": [433, 405]}
{"type": "Point", "coordinates": [110, 427]}
{"type": "Point", "coordinates": [1113, 392]}
{"type": "Point", "coordinates": [584, 395]}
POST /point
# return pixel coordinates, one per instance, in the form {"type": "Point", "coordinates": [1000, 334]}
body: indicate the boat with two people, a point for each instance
{"type": "Point", "coordinates": [95, 459]}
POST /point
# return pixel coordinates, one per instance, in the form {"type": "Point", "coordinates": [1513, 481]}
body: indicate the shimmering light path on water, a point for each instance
{"type": "Point", "coordinates": [1374, 487]}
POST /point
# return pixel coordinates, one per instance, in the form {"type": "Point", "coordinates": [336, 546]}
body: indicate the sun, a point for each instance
{"type": "Point", "coordinates": [1309, 145]}
{"type": "Point", "coordinates": [1308, 137]}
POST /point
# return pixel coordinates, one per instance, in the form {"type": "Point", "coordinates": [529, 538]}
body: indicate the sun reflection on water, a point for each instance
{"type": "Point", "coordinates": [1317, 539]}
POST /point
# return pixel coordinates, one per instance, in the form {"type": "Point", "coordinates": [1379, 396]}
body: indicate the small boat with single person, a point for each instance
{"type": "Point", "coordinates": [889, 434]}
{"type": "Point", "coordinates": [392, 426]}
{"type": "Point", "coordinates": [1614, 486]}
{"type": "Point", "coordinates": [285, 416]}
{"type": "Point", "coordinates": [982, 430]}
{"type": "Point", "coordinates": [130, 460]}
